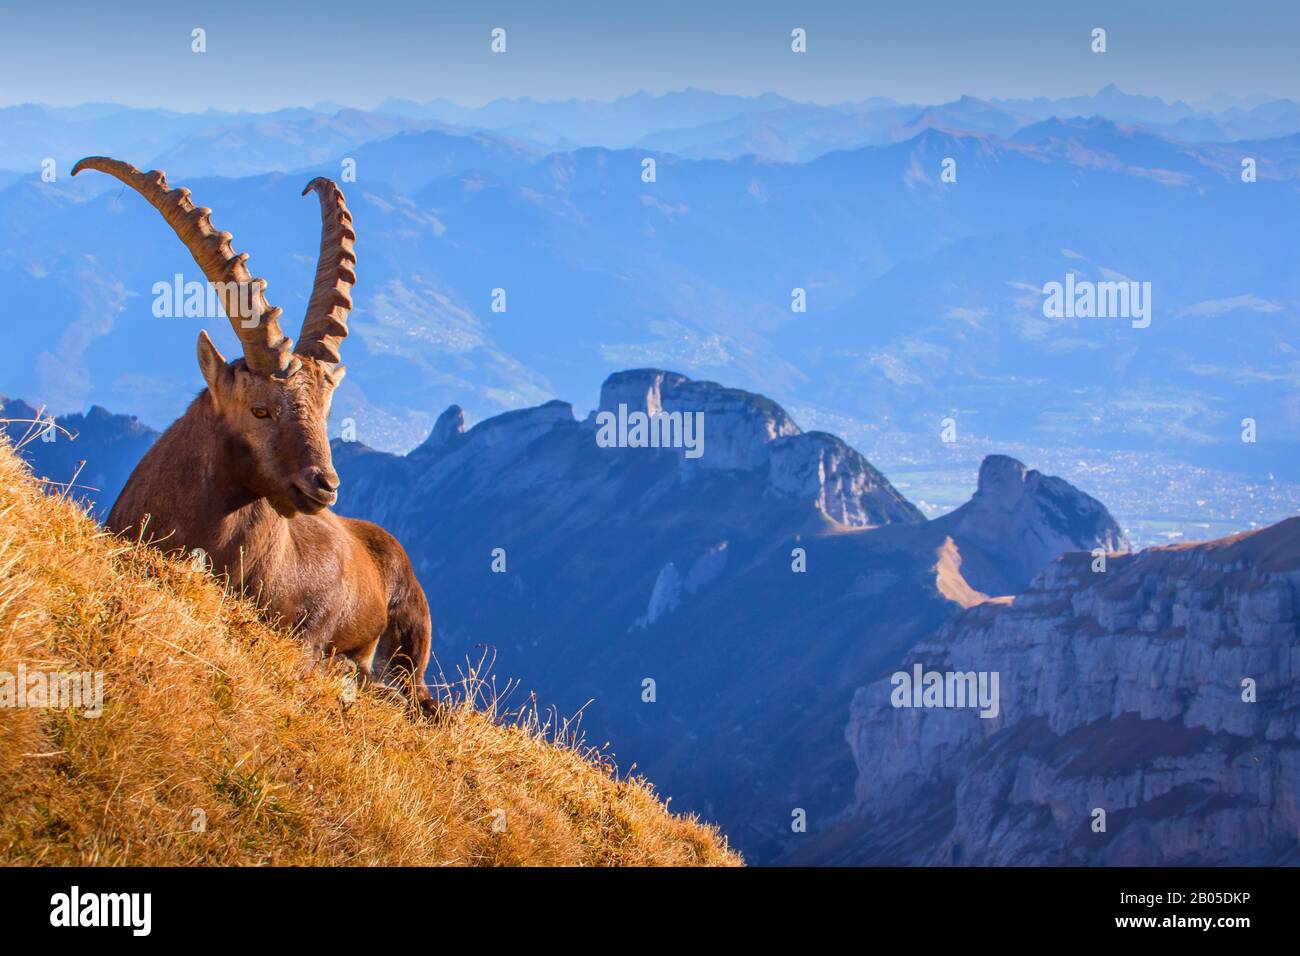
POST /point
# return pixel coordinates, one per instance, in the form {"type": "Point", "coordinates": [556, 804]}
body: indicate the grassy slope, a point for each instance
{"type": "Point", "coordinates": [208, 709]}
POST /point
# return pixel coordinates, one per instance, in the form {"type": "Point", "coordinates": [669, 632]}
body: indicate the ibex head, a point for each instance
{"type": "Point", "coordinates": [273, 403]}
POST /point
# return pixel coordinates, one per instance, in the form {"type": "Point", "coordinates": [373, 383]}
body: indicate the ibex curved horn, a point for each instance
{"type": "Point", "coordinates": [326, 322]}
{"type": "Point", "coordinates": [266, 350]}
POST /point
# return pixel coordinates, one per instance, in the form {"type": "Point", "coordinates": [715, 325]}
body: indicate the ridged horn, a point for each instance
{"type": "Point", "coordinates": [266, 350]}
{"type": "Point", "coordinates": [326, 322]}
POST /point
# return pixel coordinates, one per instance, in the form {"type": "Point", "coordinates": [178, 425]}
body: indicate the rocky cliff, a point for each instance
{"type": "Point", "coordinates": [748, 432]}
{"type": "Point", "coordinates": [1042, 515]}
{"type": "Point", "coordinates": [1148, 715]}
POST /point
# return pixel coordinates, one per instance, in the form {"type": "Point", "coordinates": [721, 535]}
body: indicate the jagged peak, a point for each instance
{"type": "Point", "coordinates": [1005, 482]}
{"type": "Point", "coordinates": [1002, 478]}
{"type": "Point", "coordinates": [652, 390]}
{"type": "Point", "coordinates": [1044, 515]}
{"type": "Point", "coordinates": [640, 389]}
{"type": "Point", "coordinates": [449, 426]}
{"type": "Point", "coordinates": [847, 488]}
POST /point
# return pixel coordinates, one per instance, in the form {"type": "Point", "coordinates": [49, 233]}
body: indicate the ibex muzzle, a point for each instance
{"type": "Point", "coordinates": [246, 473]}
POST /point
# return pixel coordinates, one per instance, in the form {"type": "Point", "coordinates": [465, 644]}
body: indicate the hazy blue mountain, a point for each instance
{"type": "Point", "coordinates": [31, 132]}
{"type": "Point", "coordinates": [253, 147]}
{"type": "Point", "coordinates": [966, 114]}
{"type": "Point", "coordinates": [411, 160]}
{"type": "Point", "coordinates": [1220, 119]}
{"type": "Point", "coordinates": [949, 327]}
{"type": "Point", "coordinates": [698, 124]}
{"type": "Point", "coordinates": [1265, 121]}
{"type": "Point", "coordinates": [794, 133]}
{"type": "Point", "coordinates": [1110, 101]}
{"type": "Point", "coordinates": [1221, 101]}
{"type": "Point", "coordinates": [614, 123]}
{"type": "Point", "coordinates": [86, 457]}
{"type": "Point", "coordinates": [690, 123]}
{"type": "Point", "coordinates": [924, 298]}
{"type": "Point", "coordinates": [803, 132]}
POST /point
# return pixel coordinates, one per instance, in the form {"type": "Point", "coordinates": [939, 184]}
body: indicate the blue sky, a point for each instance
{"type": "Point", "coordinates": [274, 53]}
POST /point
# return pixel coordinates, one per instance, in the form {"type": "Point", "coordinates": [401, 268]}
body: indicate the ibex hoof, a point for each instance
{"type": "Point", "coordinates": [434, 710]}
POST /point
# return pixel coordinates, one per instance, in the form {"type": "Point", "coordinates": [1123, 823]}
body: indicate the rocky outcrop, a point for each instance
{"type": "Point", "coordinates": [739, 426]}
{"type": "Point", "coordinates": [1159, 689]}
{"type": "Point", "coordinates": [748, 432]}
{"type": "Point", "coordinates": [449, 426]}
{"type": "Point", "coordinates": [1042, 517]}
{"type": "Point", "coordinates": [841, 483]}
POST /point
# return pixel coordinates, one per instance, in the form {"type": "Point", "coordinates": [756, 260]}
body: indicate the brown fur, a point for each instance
{"type": "Point", "coordinates": [253, 493]}
{"type": "Point", "coordinates": [246, 474]}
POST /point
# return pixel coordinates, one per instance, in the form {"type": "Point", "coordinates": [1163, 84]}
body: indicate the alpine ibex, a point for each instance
{"type": "Point", "coordinates": [246, 474]}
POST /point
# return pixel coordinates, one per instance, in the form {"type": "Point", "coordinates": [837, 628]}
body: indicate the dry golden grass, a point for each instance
{"type": "Point", "coordinates": [207, 709]}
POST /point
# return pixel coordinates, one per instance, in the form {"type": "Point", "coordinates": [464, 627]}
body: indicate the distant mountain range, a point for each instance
{"type": "Point", "coordinates": [692, 123]}
{"type": "Point", "coordinates": [923, 297]}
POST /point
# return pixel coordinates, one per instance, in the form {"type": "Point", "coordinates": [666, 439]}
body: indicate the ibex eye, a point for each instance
{"type": "Point", "coordinates": [259, 412]}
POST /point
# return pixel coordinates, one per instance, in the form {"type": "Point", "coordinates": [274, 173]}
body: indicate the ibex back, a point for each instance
{"type": "Point", "coordinates": [246, 474]}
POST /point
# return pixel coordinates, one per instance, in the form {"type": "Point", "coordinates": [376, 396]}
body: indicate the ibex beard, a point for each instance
{"type": "Point", "coordinates": [246, 474]}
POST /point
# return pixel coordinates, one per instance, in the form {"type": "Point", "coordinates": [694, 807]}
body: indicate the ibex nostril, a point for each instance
{"type": "Point", "coordinates": [327, 481]}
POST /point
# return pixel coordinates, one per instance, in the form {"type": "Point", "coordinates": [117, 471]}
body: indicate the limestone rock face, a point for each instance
{"type": "Point", "coordinates": [739, 426]}
{"type": "Point", "coordinates": [1042, 516]}
{"type": "Point", "coordinates": [845, 487]}
{"type": "Point", "coordinates": [1162, 690]}
{"type": "Point", "coordinates": [748, 432]}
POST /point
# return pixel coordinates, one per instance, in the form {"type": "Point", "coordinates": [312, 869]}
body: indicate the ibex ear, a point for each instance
{"type": "Point", "coordinates": [213, 365]}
